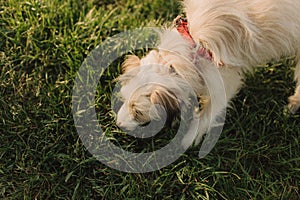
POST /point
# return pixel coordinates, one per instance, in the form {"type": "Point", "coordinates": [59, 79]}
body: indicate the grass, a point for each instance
{"type": "Point", "coordinates": [42, 45]}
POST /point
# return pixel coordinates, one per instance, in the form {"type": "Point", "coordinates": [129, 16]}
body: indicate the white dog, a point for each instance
{"type": "Point", "coordinates": [231, 36]}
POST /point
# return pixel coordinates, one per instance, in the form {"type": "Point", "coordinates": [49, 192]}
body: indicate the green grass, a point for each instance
{"type": "Point", "coordinates": [42, 45]}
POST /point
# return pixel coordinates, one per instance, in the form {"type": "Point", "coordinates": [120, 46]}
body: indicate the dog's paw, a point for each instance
{"type": "Point", "coordinates": [191, 134]}
{"type": "Point", "coordinates": [294, 103]}
{"type": "Point", "coordinates": [187, 141]}
{"type": "Point", "coordinates": [191, 140]}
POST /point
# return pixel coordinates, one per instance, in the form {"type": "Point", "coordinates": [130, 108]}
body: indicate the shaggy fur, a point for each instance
{"type": "Point", "coordinates": [240, 34]}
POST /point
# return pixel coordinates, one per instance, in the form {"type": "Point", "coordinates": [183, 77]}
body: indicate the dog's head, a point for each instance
{"type": "Point", "coordinates": [147, 91]}
{"type": "Point", "coordinates": [160, 83]}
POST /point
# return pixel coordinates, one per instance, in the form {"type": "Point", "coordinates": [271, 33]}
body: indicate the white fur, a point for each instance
{"type": "Point", "coordinates": [240, 34]}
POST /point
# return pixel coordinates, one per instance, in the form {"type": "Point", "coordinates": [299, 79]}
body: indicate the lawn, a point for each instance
{"type": "Point", "coordinates": [42, 46]}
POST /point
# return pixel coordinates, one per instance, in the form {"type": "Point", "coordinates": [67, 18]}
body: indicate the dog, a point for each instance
{"type": "Point", "coordinates": [227, 37]}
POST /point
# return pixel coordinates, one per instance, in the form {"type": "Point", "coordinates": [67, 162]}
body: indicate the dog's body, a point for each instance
{"type": "Point", "coordinates": [239, 34]}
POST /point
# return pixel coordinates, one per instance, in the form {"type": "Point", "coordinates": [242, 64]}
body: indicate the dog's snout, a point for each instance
{"type": "Point", "coordinates": [119, 124]}
{"type": "Point", "coordinates": [122, 126]}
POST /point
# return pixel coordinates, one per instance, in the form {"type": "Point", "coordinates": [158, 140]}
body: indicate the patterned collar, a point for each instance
{"type": "Point", "coordinates": [181, 24]}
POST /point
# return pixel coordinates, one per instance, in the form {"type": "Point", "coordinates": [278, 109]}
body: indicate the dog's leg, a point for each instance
{"type": "Point", "coordinates": [294, 101]}
{"type": "Point", "coordinates": [202, 122]}
{"type": "Point", "coordinates": [207, 119]}
{"type": "Point", "coordinates": [216, 104]}
{"type": "Point", "coordinates": [198, 127]}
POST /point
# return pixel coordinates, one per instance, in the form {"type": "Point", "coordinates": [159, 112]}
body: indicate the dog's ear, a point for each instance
{"type": "Point", "coordinates": [130, 68]}
{"type": "Point", "coordinates": [131, 62]}
{"type": "Point", "coordinates": [166, 99]}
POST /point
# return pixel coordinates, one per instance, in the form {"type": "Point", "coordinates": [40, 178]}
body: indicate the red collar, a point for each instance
{"type": "Point", "coordinates": [181, 25]}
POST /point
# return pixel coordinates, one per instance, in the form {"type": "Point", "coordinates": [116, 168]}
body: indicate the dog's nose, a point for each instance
{"type": "Point", "coordinates": [121, 125]}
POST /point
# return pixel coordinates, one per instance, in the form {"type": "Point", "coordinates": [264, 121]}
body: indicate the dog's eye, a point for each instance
{"type": "Point", "coordinates": [145, 124]}
{"type": "Point", "coordinates": [138, 116]}
{"type": "Point", "coordinates": [138, 113]}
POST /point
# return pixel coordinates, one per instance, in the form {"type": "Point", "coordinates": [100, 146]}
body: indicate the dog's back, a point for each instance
{"type": "Point", "coordinates": [248, 31]}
